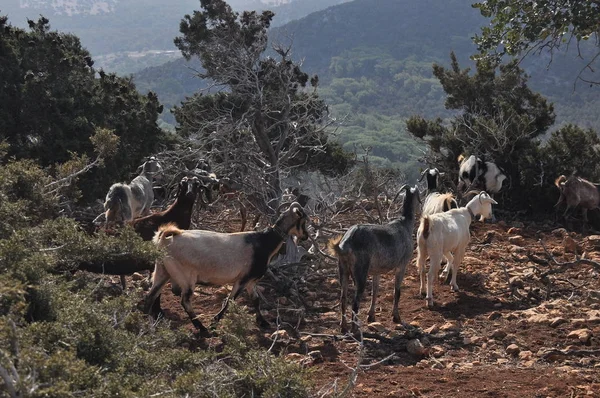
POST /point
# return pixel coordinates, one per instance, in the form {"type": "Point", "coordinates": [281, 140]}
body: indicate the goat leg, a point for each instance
{"type": "Point", "coordinates": [397, 286]}
{"type": "Point", "coordinates": [235, 291]}
{"type": "Point", "coordinates": [374, 291]}
{"type": "Point", "coordinates": [343, 274]}
{"type": "Point", "coordinates": [251, 289]}
{"type": "Point", "coordinates": [187, 306]}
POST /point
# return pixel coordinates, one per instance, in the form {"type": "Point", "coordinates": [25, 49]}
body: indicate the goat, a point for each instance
{"type": "Point", "coordinates": [178, 213]}
{"type": "Point", "coordinates": [207, 257]}
{"type": "Point", "coordinates": [577, 192]}
{"type": "Point", "coordinates": [124, 202]}
{"type": "Point", "coordinates": [371, 249]}
{"type": "Point", "coordinates": [447, 235]}
{"type": "Point", "coordinates": [433, 178]}
{"type": "Point", "coordinates": [437, 202]}
{"type": "Point", "coordinates": [473, 172]}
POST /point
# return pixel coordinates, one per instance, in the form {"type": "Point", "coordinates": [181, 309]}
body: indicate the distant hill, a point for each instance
{"type": "Point", "coordinates": [125, 36]}
{"type": "Point", "coordinates": [375, 69]}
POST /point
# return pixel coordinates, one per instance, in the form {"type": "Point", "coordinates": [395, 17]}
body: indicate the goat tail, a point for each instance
{"type": "Point", "coordinates": [165, 232]}
{"type": "Point", "coordinates": [559, 181]}
{"type": "Point", "coordinates": [333, 245]}
{"type": "Point", "coordinates": [424, 227]}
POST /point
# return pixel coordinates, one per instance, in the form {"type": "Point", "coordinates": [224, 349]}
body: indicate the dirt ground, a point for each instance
{"type": "Point", "coordinates": [526, 322]}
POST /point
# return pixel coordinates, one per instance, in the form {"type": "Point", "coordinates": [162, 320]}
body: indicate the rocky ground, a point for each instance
{"type": "Point", "coordinates": [526, 322]}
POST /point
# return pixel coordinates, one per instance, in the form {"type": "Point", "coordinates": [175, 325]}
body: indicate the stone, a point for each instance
{"type": "Point", "coordinates": [578, 323]}
{"type": "Point", "coordinates": [495, 315]}
{"type": "Point", "coordinates": [498, 334]}
{"type": "Point", "coordinates": [280, 335]}
{"type": "Point", "coordinates": [437, 351]}
{"type": "Point", "coordinates": [525, 355]}
{"type": "Point", "coordinates": [516, 240]}
{"type": "Point", "coordinates": [583, 335]}
{"type": "Point", "coordinates": [376, 327]}
{"type": "Point", "coordinates": [416, 348]}
{"type": "Point", "coordinates": [316, 356]}
{"type": "Point", "coordinates": [557, 321]}
{"type": "Point", "coordinates": [516, 282]}
{"type": "Point", "coordinates": [432, 330]}
{"type": "Point", "coordinates": [514, 231]}
{"type": "Point", "coordinates": [513, 349]}
{"type": "Point", "coordinates": [306, 338]}
{"type": "Point", "coordinates": [539, 318]}
{"type": "Point", "coordinates": [450, 327]}
{"type": "Point", "coordinates": [294, 356]}
{"type": "Point", "coordinates": [570, 246]}
{"type": "Point", "coordinates": [559, 232]}
{"type": "Point", "coordinates": [136, 276]}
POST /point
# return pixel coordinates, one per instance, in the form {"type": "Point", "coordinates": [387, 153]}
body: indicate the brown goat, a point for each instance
{"type": "Point", "coordinates": [577, 192]}
{"type": "Point", "coordinates": [179, 213]}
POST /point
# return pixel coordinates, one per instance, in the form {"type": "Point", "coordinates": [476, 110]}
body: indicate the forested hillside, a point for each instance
{"type": "Point", "coordinates": [375, 69]}
{"type": "Point", "coordinates": [126, 36]}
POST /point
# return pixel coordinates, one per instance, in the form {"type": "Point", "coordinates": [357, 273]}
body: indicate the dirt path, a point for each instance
{"type": "Point", "coordinates": [522, 326]}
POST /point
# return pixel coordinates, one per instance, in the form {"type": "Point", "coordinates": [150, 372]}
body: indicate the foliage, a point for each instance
{"type": "Point", "coordinates": [520, 27]}
{"type": "Point", "coordinates": [66, 333]}
{"type": "Point", "coordinates": [266, 119]}
{"type": "Point", "coordinates": [51, 103]}
{"type": "Point", "coordinates": [501, 120]}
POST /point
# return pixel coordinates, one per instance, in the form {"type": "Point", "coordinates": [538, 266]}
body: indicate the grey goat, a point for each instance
{"type": "Point", "coordinates": [372, 249]}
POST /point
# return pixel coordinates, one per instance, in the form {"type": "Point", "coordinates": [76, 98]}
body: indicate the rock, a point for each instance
{"type": "Point", "coordinates": [516, 282]}
{"type": "Point", "coordinates": [557, 321]}
{"type": "Point", "coordinates": [593, 296]}
{"type": "Point", "coordinates": [592, 243]}
{"type": "Point", "coordinates": [316, 356]}
{"type": "Point", "coordinates": [498, 334]}
{"type": "Point", "coordinates": [467, 341]}
{"type": "Point", "coordinates": [570, 246]}
{"type": "Point", "coordinates": [437, 351]}
{"type": "Point", "coordinates": [488, 237]}
{"type": "Point", "coordinates": [517, 249]}
{"type": "Point", "coordinates": [432, 330]}
{"type": "Point", "coordinates": [514, 231]}
{"type": "Point", "coordinates": [294, 356]}
{"type": "Point", "coordinates": [498, 305]}
{"type": "Point", "coordinates": [516, 240]}
{"type": "Point", "coordinates": [512, 349]}
{"type": "Point", "coordinates": [525, 355]}
{"type": "Point", "coordinates": [528, 364]}
{"type": "Point", "coordinates": [414, 347]}
{"type": "Point", "coordinates": [283, 301]}
{"type": "Point", "coordinates": [136, 276]}
{"type": "Point", "coordinates": [495, 315]}
{"type": "Point", "coordinates": [376, 327]}
{"type": "Point", "coordinates": [306, 339]}
{"type": "Point", "coordinates": [578, 323]}
{"type": "Point", "coordinates": [539, 318]}
{"type": "Point", "coordinates": [280, 335]}
{"type": "Point", "coordinates": [583, 335]}
{"type": "Point", "coordinates": [502, 361]}
{"type": "Point", "coordinates": [450, 327]}
{"type": "Point", "coordinates": [559, 232]}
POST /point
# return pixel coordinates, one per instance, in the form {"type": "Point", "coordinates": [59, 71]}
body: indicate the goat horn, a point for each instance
{"type": "Point", "coordinates": [405, 186]}
{"type": "Point", "coordinates": [423, 174]}
{"type": "Point", "coordinates": [281, 206]}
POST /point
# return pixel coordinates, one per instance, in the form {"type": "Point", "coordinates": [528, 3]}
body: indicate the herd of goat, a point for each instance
{"type": "Point", "coordinates": [198, 256]}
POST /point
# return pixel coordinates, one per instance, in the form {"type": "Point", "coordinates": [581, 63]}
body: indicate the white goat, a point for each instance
{"type": "Point", "coordinates": [447, 234]}
{"type": "Point", "coordinates": [437, 202]}
{"type": "Point", "coordinates": [125, 202]}
{"type": "Point", "coordinates": [213, 258]}
{"type": "Point", "coordinates": [475, 173]}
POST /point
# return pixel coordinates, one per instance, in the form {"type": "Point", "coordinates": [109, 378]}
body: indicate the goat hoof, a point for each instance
{"type": "Point", "coordinates": [429, 303]}
{"type": "Point", "coordinates": [371, 318]}
{"type": "Point", "coordinates": [454, 289]}
{"type": "Point", "coordinates": [396, 319]}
